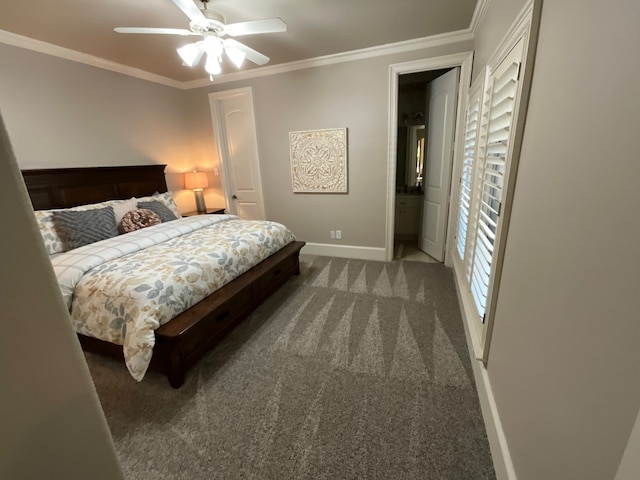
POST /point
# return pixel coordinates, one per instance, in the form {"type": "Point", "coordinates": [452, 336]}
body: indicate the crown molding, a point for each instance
{"type": "Point", "coordinates": [361, 54]}
{"type": "Point", "coordinates": [478, 15]}
{"type": "Point", "coordinates": [521, 26]}
{"type": "Point", "coordinates": [39, 46]}
{"type": "Point", "coordinates": [370, 52]}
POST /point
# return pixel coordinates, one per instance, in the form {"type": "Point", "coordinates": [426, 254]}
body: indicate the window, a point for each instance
{"type": "Point", "coordinates": [470, 148]}
{"type": "Point", "coordinates": [500, 98]}
{"type": "Point", "coordinates": [493, 129]}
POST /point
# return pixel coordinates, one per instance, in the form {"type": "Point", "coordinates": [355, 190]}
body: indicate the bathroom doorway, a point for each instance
{"type": "Point", "coordinates": [408, 160]}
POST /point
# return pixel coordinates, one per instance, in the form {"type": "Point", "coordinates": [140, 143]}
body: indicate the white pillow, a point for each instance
{"type": "Point", "coordinates": [121, 207]}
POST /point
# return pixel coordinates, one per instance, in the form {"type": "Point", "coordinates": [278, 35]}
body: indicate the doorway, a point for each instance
{"type": "Point", "coordinates": [424, 67]}
{"type": "Point", "coordinates": [415, 124]}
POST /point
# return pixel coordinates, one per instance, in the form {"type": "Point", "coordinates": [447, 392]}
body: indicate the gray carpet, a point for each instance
{"type": "Point", "coordinates": [353, 370]}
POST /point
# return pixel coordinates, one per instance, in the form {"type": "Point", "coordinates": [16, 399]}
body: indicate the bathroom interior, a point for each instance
{"type": "Point", "coordinates": [412, 124]}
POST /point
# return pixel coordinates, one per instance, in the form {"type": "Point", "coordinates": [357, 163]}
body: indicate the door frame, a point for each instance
{"type": "Point", "coordinates": [464, 60]}
{"type": "Point", "coordinates": [222, 147]}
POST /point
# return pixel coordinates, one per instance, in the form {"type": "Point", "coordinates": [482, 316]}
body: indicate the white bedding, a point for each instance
{"type": "Point", "coordinates": [123, 288]}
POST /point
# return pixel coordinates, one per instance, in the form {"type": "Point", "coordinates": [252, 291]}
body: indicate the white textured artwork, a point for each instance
{"type": "Point", "coordinates": [319, 161]}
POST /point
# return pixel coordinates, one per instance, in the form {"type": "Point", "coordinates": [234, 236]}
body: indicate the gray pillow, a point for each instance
{"type": "Point", "coordinates": [159, 209]}
{"type": "Point", "coordinates": [77, 228]}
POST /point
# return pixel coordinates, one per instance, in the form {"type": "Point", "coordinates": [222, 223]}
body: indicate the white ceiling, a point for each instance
{"type": "Point", "coordinates": [315, 28]}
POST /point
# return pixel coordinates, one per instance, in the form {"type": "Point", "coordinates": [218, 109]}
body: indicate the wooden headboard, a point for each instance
{"type": "Point", "coordinates": [70, 187]}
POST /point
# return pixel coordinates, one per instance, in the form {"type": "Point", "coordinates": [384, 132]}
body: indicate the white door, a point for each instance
{"type": "Point", "coordinates": [235, 134]}
{"type": "Point", "coordinates": [442, 96]}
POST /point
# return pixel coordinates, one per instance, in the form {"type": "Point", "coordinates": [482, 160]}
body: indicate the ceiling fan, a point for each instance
{"type": "Point", "coordinates": [211, 26]}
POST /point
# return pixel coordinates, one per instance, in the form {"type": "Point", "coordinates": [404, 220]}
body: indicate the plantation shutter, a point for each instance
{"type": "Point", "coordinates": [500, 98]}
{"type": "Point", "coordinates": [470, 148]}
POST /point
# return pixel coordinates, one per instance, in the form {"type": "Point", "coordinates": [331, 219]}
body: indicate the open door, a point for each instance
{"type": "Point", "coordinates": [442, 98]}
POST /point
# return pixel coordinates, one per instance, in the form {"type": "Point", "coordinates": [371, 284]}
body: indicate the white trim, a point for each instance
{"type": "Point", "coordinates": [79, 57]}
{"type": "Point", "coordinates": [364, 53]}
{"type": "Point", "coordinates": [467, 307]}
{"type": "Point", "coordinates": [344, 251]}
{"type": "Point", "coordinates": [478, 15]}
{"type": "Point", "coordinates": [500, 454]}
{"type": "Point", "coordinates": [518, 29]}
{"type": "Point", "coordinates": [463, 60]}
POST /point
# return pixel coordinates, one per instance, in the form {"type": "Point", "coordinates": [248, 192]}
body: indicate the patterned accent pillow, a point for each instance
{"type": "Point", "coordinates": [165, 198]}
{"type": "Point", "coordinates": [137, 219]}
{"type": "Point", "coordinates": [160, 209]}
{"type": "Point", "coordinates": [44, 218]}
{"type": "Point", "coordinates": [77, 228]}
{"type": "Point", "coordinates": [52, 241]}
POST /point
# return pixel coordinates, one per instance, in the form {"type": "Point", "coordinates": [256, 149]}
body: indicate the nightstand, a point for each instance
{"type": "Point", "coordinates": [210, 211]}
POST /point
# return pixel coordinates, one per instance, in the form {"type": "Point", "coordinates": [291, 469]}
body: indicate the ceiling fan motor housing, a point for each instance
{"type": "Point", "coordinates": [216, 23]}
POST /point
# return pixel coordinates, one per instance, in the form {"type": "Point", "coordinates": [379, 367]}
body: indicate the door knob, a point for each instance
{"type": "Point", "coordinates": [234, 197]}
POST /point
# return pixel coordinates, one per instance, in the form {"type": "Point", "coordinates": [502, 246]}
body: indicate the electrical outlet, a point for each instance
{"type": "Point", "coordinates": [332, 233]}
{"type": "Point", "coordinates": [338, 234]}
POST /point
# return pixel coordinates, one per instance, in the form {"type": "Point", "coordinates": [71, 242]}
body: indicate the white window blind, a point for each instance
{"type": "Point", "coordinates": [499, 104]}
{"type": "Point", "coordinates": [470, 148]}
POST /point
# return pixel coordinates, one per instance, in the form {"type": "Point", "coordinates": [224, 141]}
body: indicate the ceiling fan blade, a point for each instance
{"type": "Point", "coordinates": [162, 31]}
{"type": "Point", "coordinates": [268, 25]}
{"type": "Point", "coordinates": [251, 54]}
{"type": "Point", "coordinates": [191, 10]}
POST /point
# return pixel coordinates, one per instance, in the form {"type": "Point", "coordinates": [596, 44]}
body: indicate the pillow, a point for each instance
{"type": "Point", "coordinates": [159, 209]}
{"type": "Point", "coordinates": [120, 207]}
{"type": "Point", "coordinates": [77, 228]}
{"type": "Point", "coordinates": [44, 218]}
{"type": "Point", "coordinates": [137, 219]}
{"type": "Point", "coordinates": [52, 241]}
{"type": "Point", "coordinates": [165, 198]}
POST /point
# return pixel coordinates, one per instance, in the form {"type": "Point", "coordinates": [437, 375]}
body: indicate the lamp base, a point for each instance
{"type": "Point", "coordinates": [201, 207]}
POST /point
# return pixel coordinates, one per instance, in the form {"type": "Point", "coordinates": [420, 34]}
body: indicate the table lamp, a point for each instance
{"type": "Point", "coordinates": [196, 181]}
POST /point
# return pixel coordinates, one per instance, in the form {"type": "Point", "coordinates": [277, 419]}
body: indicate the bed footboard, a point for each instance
{"type": "Point", "coordinates": [181, 342]}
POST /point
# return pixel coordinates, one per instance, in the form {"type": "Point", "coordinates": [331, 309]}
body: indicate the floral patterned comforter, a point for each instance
{"type": "Point", "coordinates": [123, 288]}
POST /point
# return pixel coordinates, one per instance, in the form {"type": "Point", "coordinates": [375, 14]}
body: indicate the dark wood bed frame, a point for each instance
{"type": "Point", "coordinates": [181, 342]}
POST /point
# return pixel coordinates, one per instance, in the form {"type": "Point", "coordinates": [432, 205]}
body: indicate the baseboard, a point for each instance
{"type": "Point", "coordinates": [500, 454]}
{"type": "Point", "coordinates": [345, 251]}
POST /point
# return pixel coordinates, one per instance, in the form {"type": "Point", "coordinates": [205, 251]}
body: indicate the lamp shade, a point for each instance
{"type": "Point", "coordinates": [195, 180]}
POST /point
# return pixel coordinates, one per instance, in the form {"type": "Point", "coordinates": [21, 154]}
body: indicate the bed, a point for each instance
{"type": "Point", "coordinates": [179, 343]}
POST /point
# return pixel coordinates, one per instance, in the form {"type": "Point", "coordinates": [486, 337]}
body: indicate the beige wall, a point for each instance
{"type": "Point", "coordinates": [64, 114]}
{"type": "Point", "coordinates": [565, 349]}
{"type": "Point", "coordinates": [496, 21]}
{"type": "Point", "coordinates": [352, 95]}
{"type": "Point", "coordinates": [51, 421]}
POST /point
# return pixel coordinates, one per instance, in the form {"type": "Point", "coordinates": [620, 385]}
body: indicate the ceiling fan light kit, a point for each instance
{"type": "Point", "coordinates": [191, 54]}
{"type": "Point", "coordinates": [212, 65]}
{"type": "Point", "coordinates": [235, 55]}
{"type": "Point", "coordinates": [212, 27]}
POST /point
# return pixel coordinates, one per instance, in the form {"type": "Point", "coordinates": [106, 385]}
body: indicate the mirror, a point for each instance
{"type": "Point", "coordinates": [410, 158]}
{"type": "Point", "coordinates": [415, 156]}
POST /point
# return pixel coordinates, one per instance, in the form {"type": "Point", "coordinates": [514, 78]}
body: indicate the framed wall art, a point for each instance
{"type": "Point", "coordinates": [319, 160]}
